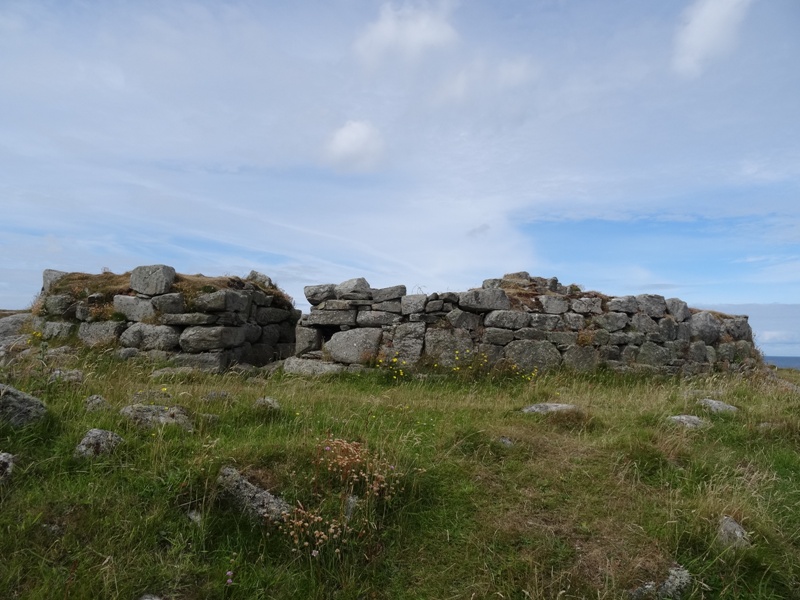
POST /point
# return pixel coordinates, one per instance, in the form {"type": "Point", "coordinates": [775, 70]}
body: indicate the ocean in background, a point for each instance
{"type": "Point", "coordinates": [783, 362]}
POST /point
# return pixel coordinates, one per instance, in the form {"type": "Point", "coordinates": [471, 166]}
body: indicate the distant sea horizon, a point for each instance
{"type": "Point", "coordinates": [783, 362]}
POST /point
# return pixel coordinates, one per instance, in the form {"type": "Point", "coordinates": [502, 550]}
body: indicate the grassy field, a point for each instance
{"type": "Point", "coordinates": [404, 487]}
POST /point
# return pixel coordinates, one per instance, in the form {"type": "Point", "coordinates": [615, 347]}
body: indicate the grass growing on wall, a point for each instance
{"type": "Point", "coordinates": [423, 488]}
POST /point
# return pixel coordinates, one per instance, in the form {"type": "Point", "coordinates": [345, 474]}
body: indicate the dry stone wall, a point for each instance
{"type": "Point", "coordinates": [244, 321]}
{"type": "Point", "coordinates": [519, 321]}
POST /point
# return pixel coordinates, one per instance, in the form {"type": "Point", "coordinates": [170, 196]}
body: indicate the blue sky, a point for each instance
{"type": "Point", "coordinates": [628, 146]}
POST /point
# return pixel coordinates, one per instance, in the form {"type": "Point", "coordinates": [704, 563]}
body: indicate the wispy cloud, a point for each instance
{"type": "Point", "coordinates": [355, 146]}
{"type": "Point", "coordinates": [707, 33]}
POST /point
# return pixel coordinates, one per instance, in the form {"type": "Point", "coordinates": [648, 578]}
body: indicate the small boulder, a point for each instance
{"type": "Point", "coordinates": [95, 403]}
{"type": "Point", "coordinates": [717, 406]}
{"type": "Point", "coordinates": [18, 408]}
{"type": "Point", "coordinates": [151, 415]}
{"type": "Point", "coordinates": [258, 503]}
{"type": "Point", "coordinates": [6, 466]}
{"type": "Point", "coordinates": [732, 535]}
{"type": "Point", "coordinates": [544, 408]}
{"type": "Point", "coordinates": [313, 368]}
{"type": "Point", "coordinates": [97, 442]}
{"type": "Point", "coordinates": [689, 421]}
{"type": "Point", "coordinates": [67, 376]}
{"type": "Point", "coordinates": [267, 403]}
{"type": "Point", "coordinates": [152, 280]}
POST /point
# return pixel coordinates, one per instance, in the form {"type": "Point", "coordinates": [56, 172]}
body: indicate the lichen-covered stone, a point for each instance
{"type": "Point", "coordinates": [152, 280]}
{"type": "Point", "coordinates": [97, 442]}
{"type": "Point", "coordinates": [19, 409]}
{"type": "Point", "coordinates": [529, 355]}
{"type": "Point", "coordinates": [354, 346]}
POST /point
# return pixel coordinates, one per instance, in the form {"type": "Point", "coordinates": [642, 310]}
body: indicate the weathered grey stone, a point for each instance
{"type": "Point", "coordinates": [530, 333]}
{"type": "Point", "coordinates": [150, 337]}
{"type": "Point", "coordinates": [450, 297]}
{"type": "Point", "coordinates": [507, 319]}
{"type": "Point", "coordinates": [97, 442]}
{"type": "Point", "coordinates": [252, 332]}
{"type": "Point", "coordinates": [573, 321]}
{"type": "Point", "coordinates": [261, 299]}
{"type": "Point", "coordinates": [483, 300]}
{"type": "Point", "coordinates": [587, 306]}
{"type": "Point", "coordinates": [609, 353]}
{"type": "Point", "coordinates": [134, 308]}
{"type": "Point", "coordinates": [544, 408]}
{"type": "Point", "coordinates": [528, 355]}
{"type": "Point", "coordinates": [13, 324]}
{"type": "Point", "coordinates": [434, 306]}
{"type": "Point", "coordinates": [189, 319]}
{"type": "Point", "coordinates": [677, 584]}
{"type": "Point", "coordinates": [259, 279]}
{"type": "Point", "coordinates": [6, 466]}
{"type": "Point", "coordinates": [354, 346]}
{"type": "Point", "coordinates": [254, 501]}
{"type": "Point", "coordinates": [554, 305]}
{"type": "Point", "coordinates": [738, 328]}
{"type": "Point", "coordinates": [705, 326]}
{"type": "Point", "coordinates": [495, 335]}
{"type": "Point", "coordinates": [643, 323]}
{"type": "Point", "coordinates": [407, 342]}
{"type": "Point", "coordinates": [488, 354]}
{"type": "Point", "coordinates": [50, 277]}
{"type": "Point", "coordinates": [354, 289]}
{"type": "Point", "coordinates": [612, 321]}
{"type": "Point", "coordinates": [100, 333]}
{"type": "Point", "coordinates": [463, 320]}
{"type": "Point", "coordinates": [200, 339]}
{"type": "Point", "coordinates": [654, 355]}
{"type": "Point", "coordinates": [267, 403]}
{"type": "Point", "coordinates": [392, 306]}
{"type": "Point", "coordinates": [127, 353]}
{"type": "Point", "coordinates": [18, 408]}
{"type": "Point", "coordinates": [152, 280]}
{"type": "Point", "coordinates": [60, 305]}
{"type": "Point", "coordinates": [449, 347]}
{"type": "Point", "coordinates": [732, 535]}
{"type": "Point", "coordinates": [57, 330]}
{"type": "Point", "coordinates": [581, 358]}
{"type": "Point", "coordinates": [652, 305]}
{"type": "Point", "coordinates": [319, 293]}
{"type": "Point", "coordinates": [169, 303]}
{"type": "Point", "coordinates": [678, 309]}
{"type": "Point", "coordinates": [546, 322]}
{"type": "Point", "coordinates": [689, 421]}
{"type": "Point", "coordinates": [563, 339]}
{"type": "Point", "coordinates": [336, 304]}
{"type": "Point", "coordinates": [66, 376]}
{"type": "Point", "coordinates": [271, 334]}
{"type": "Point", "coordinates": [697, 352]}
{"type": "Point", "coordinates": [389, 293]}
{"type": "Point", "coordinates": [212, 362]}
{"type": "Point", "coordinates": [330, 317]}
{"type": "Point", "coordinates": [626, 304]}
{"type": "Point", "coordinates": [717, 406]}
{"type": "Point", "coordinates": [414, 303]}
{"type": "Point", "coordinates": [376, 318]}
{"type": "Point", "coordinates": [231, 319]}
{"type": "Point", "coordinates": [629, 353]}
{"type": "Point", "coordinates": [96, 403]}
{"type": "Point", "coordinates": [151, 415]}
{"type": "Point", "coordinates": [267, 315]}
{"type": "Point", "coordinates": [667, 329]}
{"type": "Point", "coordinates": [310, 368]}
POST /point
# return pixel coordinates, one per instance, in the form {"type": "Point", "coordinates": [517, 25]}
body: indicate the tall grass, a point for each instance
{"type": "Point", "coordinates": [456, 494]}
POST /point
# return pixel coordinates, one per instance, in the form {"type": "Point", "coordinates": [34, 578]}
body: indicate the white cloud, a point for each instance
{"type": "Point", "coordinates": [481, 78]}
{"type": "Point", "coordinates": [708, 32]}
{"type": "Point", "coordinates": [407, 32]}
{"type": "Point", "coordinates": [356, 146]}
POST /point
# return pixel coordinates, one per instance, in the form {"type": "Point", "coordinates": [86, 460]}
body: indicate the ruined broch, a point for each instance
{"type": "Point", "coordinates": [523, 322]}
{"type": "Point", "coordinates": [209, 323]}
{"type": "Point", "coordinates": [517, 322]}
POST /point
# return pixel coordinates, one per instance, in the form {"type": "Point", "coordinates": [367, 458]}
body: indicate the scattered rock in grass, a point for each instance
{"type": "Point", "coordinates": [95, 403]}
{"type": "Point", "coordinates": [732, 535]}
{"type": "Point", "coordinates": [127, 353]}
{"type": "Point", "coordinates": [549, 407]}
{"type": "Point", "coordinates": [675, 586]}
{"type": "Point", "coordinates": [67, 376]}
{"type": "Point", "coordinates": [150, 415]}
{"type": "Point", "coordinates": [18, 408]}
{"type": "Point", "coordinates": [171, 372]}
{"type": "Point", "coordinates": [717, 406]}
{"type": "Point", "coordinates": [689, 421]}
{"type": "Point", "coordinates": [195, 516]}
{"type": "Point", "coordinates": [267, 403]}
{"type": "Point", "coordinates": [506, 441]}
{"type": "Point", "coordinates": [6, 466]}
{"type": "Point", "coordinates": [149, 597]}
{"type": "Point", "coordinates": [216, 395]}
{"type": "Point", "coordinates": [253, 500]}
{"type": "Point", "coordinates": [97, 442]}
{"type": "Point", "coordinates": [312, 368]}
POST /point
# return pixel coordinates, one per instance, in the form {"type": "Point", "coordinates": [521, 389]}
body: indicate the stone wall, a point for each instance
{"type": "Point", "coordinates": [519, 321]}
{"type": "Point", "coordinates": [208, 323]}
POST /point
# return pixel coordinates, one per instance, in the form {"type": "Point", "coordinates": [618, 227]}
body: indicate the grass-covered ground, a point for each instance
{"type": "Point", "coordinates": [459, 494]}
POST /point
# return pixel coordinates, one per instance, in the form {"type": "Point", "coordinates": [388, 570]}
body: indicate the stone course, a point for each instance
{"type": "Point", "coordinates": [250, 321]}
{"type": "Point", "coordinates": [530, 323]}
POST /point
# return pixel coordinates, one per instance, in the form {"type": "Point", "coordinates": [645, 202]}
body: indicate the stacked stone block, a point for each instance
{"type": "Point", "coordinates": [211, 331]}
{"type": "Point", "coordinates": [528, 322]}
